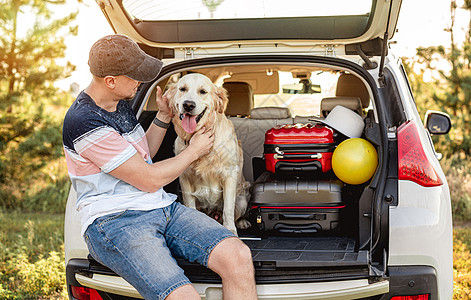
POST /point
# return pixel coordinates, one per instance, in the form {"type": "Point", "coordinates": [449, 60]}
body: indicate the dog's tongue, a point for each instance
{"type": "Point", "coordinates": [189, 123]}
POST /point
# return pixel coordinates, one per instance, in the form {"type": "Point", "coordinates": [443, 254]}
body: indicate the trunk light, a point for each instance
{"type": "Point", "coordinates": [415, 297]}
{"type": "Point", "coordinates": [413, 164]}
{"type": "Point", "coordinates": [84, 293]}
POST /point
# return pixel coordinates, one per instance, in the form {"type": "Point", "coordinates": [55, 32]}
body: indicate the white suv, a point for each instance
{"type": "Point", "coordinates": [393, 238]}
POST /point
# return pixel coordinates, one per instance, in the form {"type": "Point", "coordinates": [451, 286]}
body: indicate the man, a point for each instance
{"type": "Point", "coordinates": [129, 223]}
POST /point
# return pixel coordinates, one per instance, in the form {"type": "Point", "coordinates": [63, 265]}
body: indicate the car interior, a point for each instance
{"type": "Point", "coordinates": [258, 102]}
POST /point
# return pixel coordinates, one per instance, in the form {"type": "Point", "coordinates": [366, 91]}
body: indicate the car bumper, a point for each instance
{"type": "Point", "coordinates": [401, 281]}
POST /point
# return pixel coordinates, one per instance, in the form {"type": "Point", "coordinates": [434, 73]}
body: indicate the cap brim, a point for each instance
{"type": "Point", "coordinates": [147, 71]}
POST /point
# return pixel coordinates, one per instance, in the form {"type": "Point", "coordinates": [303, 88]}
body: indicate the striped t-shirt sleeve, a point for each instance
{"type": "Point", "coordinates": [104, 147]}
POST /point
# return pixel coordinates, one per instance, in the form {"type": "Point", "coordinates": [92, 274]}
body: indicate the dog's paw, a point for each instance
{"type": "Point", "coordinates": [243, 223]}
{"type": "Point", "coordinates": [232, 228]}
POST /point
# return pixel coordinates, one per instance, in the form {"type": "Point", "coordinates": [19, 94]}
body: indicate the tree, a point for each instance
{"type": "Point", "coordinates": [452, 91]}
{"type": "Point", "coordinates": [29, 130]}
{"type": "Point", "coordinates": [28, 62]}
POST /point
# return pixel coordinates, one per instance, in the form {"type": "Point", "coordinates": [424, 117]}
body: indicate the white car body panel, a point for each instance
{"type": "Point", "coordinates": [420, 231]}
{"type": "Point", "coordinates": [340, 290]}
{"type": "Point", "coordinates": [74, 245]}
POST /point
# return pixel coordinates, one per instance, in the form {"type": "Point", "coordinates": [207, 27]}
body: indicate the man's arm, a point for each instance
{"type": "Point", "coordinates": [156, 134]}
{"type": "Point", "coordinates": [151, 177]}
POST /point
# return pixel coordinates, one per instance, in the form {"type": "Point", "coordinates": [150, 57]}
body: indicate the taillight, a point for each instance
{"type": "Point", "coordinates": [413, 164]}
{"type": "Point", "coordinates": [84, 293]}
{"type": "Point", "coordinates": [415, 297]}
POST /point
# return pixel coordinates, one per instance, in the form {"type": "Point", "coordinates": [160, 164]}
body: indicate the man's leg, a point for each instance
{"type": "Point", "coordinates": [186, 292]}
{"type": "Point", "coordinates": [231, 259]}
{"type": "Point", "coordinates": [132, 244]}
{"type": "Point", "coordinates": [199, 238]}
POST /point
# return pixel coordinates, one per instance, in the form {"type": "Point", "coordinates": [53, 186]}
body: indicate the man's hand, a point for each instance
{"type": "Point", "coordinates": [202, 141]}
{"type": "Point", "coordinates": [165, 112]}
{"type": "Point", "coordinates": [151, 177]}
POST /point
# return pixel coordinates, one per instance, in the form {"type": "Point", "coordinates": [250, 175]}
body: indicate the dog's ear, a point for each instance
{"type": "Point", "coordinates": [170, 94]}
{"type": "Point", "coordinates": [221, 100]}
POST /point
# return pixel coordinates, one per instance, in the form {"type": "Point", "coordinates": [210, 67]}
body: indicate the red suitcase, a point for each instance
{"type": "Point", "coordinates": [299, 148]}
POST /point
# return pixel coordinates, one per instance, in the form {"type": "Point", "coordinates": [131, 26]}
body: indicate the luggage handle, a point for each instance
{"type": "Point", "coordinates": [298, 156]}
{"type": "Point", "coordinates": [291, 228]}
{"type": "Point", "coordinates": [281, 154]}
{"type": "Point", "coordinates": [308, 166]}
{"type": "Point", "coordinates": [296, 216]}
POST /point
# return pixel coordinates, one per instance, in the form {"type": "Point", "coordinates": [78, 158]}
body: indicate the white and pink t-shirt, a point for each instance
{"type": "Point", "coordinates": [96, 142]}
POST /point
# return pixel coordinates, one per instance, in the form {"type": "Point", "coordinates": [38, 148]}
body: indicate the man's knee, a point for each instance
{"type": "Point", "coordinates": [231, 256]}
{"type": "Point", "coordinates": [242, 255]}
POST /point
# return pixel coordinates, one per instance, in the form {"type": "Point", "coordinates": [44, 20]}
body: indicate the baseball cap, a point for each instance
{"type": "Point", "coordinates": [117, 54]}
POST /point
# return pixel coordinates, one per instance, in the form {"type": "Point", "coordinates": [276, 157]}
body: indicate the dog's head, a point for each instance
{"type": "Point", "coordinates": [195, 100]}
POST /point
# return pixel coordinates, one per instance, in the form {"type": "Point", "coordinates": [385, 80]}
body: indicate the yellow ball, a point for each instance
{"type": "Point", "coordinates": [354, 161]}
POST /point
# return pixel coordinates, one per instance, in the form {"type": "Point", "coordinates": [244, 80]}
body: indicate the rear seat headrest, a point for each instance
{"type": "Point", "coordinates": [349, 85]}
{"type": "Point", "coordinates": [240, 97]}
{"type": "Point", "coordinates": [270, 113]}
{"type": "Point", "coordinates": [353, 103]}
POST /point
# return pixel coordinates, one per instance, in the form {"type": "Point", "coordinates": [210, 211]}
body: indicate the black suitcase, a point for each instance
{"type": "Point", "coordinates": [295, 205]}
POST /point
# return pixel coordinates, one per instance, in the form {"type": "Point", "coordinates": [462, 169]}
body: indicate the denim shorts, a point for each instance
{"type": "Point", "coordinates": [140, 246]}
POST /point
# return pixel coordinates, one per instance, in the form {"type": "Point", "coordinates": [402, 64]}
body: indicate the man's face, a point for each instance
{"type": "Point", "coordinates": [126, 87]}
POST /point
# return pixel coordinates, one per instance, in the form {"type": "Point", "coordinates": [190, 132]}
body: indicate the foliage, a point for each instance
{"type": "Point", "coordinates": [451, 91]}
{"type": "Point", "coordinates": [458, 175]}
{"type": "Point", "coordinates": [29, 61]}
{"type": "Point", "coordinates": [31, 107]}
{"type": "Point", "coordinates": [423, 91]}
{"type": "Point", "coordinates": [461, 266]}
{"type": "Point", "coordinates": [31, 256]}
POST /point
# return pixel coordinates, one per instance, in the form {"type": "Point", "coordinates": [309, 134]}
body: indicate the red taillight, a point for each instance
{"type": "Point", "coordinates": [84, 293]}
{"type": "Point", "coordinates": [415, 297]}
{"type": "Point", "coordinates": [413, 164]}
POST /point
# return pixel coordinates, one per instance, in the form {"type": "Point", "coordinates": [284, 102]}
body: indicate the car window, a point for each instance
{"type": "Point", "coordinates": [165, 10]}
{"type": "Point", "coordinates": [301, 95]}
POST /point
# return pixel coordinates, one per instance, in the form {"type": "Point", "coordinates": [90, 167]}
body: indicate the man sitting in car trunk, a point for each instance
{"type": "Point", "coordinates": [130, 224]}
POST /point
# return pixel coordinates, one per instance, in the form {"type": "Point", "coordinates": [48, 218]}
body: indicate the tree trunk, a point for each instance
{"type": "Point", "coordinates": [12, 55]}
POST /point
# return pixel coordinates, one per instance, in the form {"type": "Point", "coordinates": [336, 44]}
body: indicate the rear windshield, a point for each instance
{"type": "Point", "coordinates": [164, 10]}
{"type": "Point", "coordinates": [300, 102]}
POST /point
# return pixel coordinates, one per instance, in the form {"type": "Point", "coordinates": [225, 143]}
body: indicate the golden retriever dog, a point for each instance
{"type": "Point", "coordinates": [213, 184]}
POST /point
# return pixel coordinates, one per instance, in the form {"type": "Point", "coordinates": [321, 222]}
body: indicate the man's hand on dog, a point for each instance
{"type": "Point", "coordinates": [202, 141]}
{"type": "Point", "coordinates": [165, 113]}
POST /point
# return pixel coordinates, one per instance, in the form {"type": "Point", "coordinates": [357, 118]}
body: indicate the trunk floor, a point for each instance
{"type": "Point", "coordinates": [307, 252]}
{"type": "Point", "coordinates": [288, 260]}
{"type": "Point", "coordinates": [296, 259]}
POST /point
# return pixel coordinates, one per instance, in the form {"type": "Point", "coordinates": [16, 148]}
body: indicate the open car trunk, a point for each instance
{"type": "Point", "coordinates": [353, 248]}
{"type": "Point", "coordinates": [230, 44]}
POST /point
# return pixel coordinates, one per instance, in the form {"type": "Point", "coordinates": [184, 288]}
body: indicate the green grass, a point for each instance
{"type": "Point", "coordinates": [32, 256]}
{"type": "Point", "coordinates": [462, 262]}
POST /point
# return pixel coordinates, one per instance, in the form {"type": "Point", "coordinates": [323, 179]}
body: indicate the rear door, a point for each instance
{"type": "Point", "coordinates": [249, 26]}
